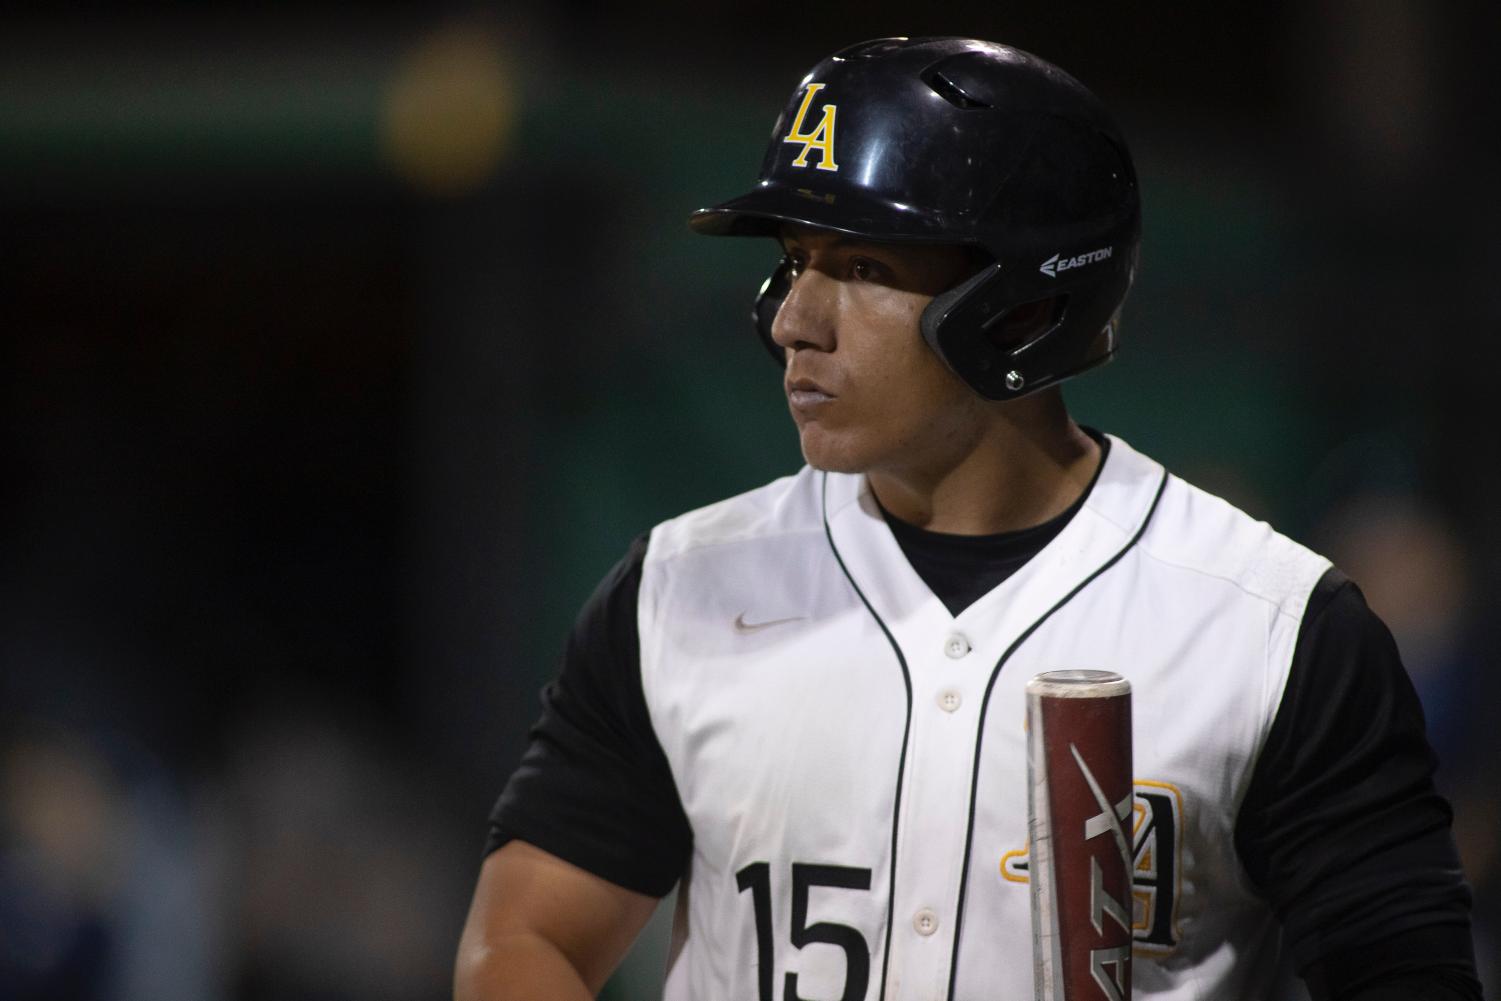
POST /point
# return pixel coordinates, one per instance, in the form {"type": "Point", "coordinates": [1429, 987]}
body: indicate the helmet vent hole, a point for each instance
{"type": "Point", "coordinates": [1025, 322]}
{"type": "Point", "coordinates": [950, 91]}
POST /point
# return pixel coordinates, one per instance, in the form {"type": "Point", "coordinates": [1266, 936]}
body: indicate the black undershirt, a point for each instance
{"type": "Point", "coordinates": [1341, 829]}
{"type": "Point", "coordinates": [961, 569]}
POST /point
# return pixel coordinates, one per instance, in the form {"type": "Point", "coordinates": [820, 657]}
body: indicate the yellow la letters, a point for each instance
{"type": "Point", "coordinates": [821, 138]}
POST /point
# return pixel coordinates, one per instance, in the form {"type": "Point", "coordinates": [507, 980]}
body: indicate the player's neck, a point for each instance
{"type": "Point", "coordinates": [1030, 466]}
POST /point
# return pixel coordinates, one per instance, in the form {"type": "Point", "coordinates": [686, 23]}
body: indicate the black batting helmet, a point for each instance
{"type": "Point", "coordinates": [959, 141]}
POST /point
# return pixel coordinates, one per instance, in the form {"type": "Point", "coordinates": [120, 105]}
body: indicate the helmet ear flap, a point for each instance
{"type": "Point", "coordinates": [952, 324]}
{"type": "Point", "coordinates": [1002, 347]}
{"type": "Point", "coordinates": [768, 302]}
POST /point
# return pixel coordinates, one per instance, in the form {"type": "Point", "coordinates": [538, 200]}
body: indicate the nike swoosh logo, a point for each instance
{"type": "Point", "coordinates": [741, 626]}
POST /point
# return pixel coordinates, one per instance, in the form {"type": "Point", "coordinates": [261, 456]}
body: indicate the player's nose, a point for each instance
{"type": "Point", "coordinates": [807, 317]}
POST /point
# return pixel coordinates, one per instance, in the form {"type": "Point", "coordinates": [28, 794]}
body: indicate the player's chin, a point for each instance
{"type": "Point", "coordinates": [831, 450]}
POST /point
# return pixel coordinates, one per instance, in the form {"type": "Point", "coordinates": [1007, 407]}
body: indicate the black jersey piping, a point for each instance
{"type": "Point", "coordinates": [974, 778]}
{"type": "Point", "coordinates": [901, 767]}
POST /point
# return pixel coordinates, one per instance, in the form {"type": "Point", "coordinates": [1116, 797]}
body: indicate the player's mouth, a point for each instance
{"type": "Point", "coordinates": [805, 395]}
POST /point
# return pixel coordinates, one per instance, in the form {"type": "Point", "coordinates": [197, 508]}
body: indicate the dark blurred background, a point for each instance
{"type": "Point", "coordinates": [342, 353]}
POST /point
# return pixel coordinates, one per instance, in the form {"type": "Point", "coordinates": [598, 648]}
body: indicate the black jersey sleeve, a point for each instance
{"type": "Point", "coordinates": [1341, 827]}
{"type": "Point", "coordinates": [594, 787]}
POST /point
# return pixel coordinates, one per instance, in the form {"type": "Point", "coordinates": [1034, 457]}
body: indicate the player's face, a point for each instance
{"type": "Point", "coordinates": [865, 390]}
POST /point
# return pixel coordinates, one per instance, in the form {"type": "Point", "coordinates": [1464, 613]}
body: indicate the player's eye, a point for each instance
{"type": "Point", "coordinates": [796, 261]}
{"type": "Point", "coordinates": [865, 270]}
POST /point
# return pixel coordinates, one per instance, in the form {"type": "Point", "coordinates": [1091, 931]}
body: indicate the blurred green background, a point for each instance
{"type": "Point", "coordinates": [342, 353]}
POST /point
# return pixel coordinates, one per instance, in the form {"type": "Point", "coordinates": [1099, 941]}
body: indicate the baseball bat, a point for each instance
{"type": "Point", "coordinates": [1079, 814]}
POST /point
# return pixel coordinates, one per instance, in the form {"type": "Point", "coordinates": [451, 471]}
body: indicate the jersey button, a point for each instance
{"type": "Point", "coordinates": [949, 700]}
{"type": "Point", "coordinates": [956, 646]}
{"type": "Point", "coordinates": [925, 921]}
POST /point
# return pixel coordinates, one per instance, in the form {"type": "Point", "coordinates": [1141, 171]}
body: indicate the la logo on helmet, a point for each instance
{"type": "Point", "coordinates": [821, 138]}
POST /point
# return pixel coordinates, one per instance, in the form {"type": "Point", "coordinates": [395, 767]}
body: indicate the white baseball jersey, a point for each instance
{"type": "Point", "coordinates": [848, 756]}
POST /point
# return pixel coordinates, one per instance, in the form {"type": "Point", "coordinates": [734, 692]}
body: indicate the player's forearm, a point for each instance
{"type": "Point", "coordinates": [518, 967]}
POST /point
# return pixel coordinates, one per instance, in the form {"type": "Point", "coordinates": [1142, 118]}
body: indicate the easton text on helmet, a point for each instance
{"type": "Point", "coordinates": [1053, 265]}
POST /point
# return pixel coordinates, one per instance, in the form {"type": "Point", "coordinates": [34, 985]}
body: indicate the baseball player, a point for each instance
{"type": "Point", "coordinates": [803, 706]}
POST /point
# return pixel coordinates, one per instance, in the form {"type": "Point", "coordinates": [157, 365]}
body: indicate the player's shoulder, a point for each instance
{"type": "Point", "coordinates": [1193, 531]}
{"type": "Point", "coordinates": [788, 506]}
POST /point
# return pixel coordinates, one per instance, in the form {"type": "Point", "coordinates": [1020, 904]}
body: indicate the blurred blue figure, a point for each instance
{"type": "Point", "coordinates": [99, 900]}
{"type": "Point", "coordinates": [1408, 560]}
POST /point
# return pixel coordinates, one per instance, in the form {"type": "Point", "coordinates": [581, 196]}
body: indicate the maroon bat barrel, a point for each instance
{"type": "Point", "coordinates": [1079, 811]}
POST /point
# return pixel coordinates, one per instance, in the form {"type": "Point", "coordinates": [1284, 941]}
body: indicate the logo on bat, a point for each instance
{"type": "Point", "coordinates": [1156, 864]}
{"type": "Point", "coordinates": [1110, 965]}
